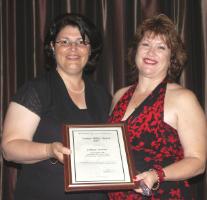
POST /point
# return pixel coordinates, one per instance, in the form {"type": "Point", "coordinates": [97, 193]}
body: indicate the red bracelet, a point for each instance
{"type": "Point", "coordinates": [160, 174]}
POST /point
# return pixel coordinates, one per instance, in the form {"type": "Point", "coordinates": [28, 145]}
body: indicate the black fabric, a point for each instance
{"type": "Point", "coordinates": [28, 97]}
{"type": "Point", "coordinates": [47, 96]}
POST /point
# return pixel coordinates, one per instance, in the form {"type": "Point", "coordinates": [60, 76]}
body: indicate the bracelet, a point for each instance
{"type": "Point", "coordinates": [53, 161]}
{"type": "Point", "coordinates": [160, 175]}
{"type": "Point", "coordinates": [156, 186]}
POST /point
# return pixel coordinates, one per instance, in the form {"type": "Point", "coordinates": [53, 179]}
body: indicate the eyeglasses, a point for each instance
{"type": "Point", "coordinates": [78, 43]}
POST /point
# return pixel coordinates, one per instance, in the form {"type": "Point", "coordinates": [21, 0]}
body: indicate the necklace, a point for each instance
{"type": "Point", "coordinates": [77, 91]}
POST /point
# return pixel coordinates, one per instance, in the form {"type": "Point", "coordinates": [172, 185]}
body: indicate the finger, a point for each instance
{"type": "Point", "coordinates": [60, 157]}
{"type": "Point", "coordinates": [139, 177]}
{"type": "Point", "coordinates": [138, 190]}
{"type": "Point", "coordinates": [66, 151]}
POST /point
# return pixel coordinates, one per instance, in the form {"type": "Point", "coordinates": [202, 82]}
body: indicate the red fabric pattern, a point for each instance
{"type": "Point", "coordinates": [154, 144]}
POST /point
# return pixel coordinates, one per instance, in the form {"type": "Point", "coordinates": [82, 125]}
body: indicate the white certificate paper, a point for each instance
{"type": "Point", "coordinates": [98, 156]}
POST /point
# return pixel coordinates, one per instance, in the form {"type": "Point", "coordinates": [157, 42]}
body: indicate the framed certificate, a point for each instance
{"type": "Point", "coordinates": [100, 158]}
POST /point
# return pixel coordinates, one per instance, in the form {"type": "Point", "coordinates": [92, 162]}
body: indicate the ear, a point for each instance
{"type": "Point", "coordinates": [52, 46]}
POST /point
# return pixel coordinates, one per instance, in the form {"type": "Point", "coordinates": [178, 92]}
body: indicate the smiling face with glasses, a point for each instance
{"type": "Point", "coordinates": [71, 51]}
{"type": "Point", "coordinates": [64, 42]}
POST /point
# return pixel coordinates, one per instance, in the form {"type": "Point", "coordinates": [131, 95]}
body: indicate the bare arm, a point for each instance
{"type": "Point", "coordinates": [19, 127]}
{"type": "Point", "coordinates": [191, 127]}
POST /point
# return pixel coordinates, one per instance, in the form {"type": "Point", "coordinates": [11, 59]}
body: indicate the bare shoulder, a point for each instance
{"type": "Point", "coordinates": [183, 101]}
{"type": "Point", "coordinates": [182, 106]}
{"type": "Point", "coordinates": [120, 92]}
{"type": "Point", "coordinates": [180, 95]}
{"type": "Point", "coordinates": [118, 95]}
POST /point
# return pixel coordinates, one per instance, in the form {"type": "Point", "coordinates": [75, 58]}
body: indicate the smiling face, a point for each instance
{"type": "Point", "coordinates": [153, 56]}
{"type": "Point", "coordinates": [72, 57]}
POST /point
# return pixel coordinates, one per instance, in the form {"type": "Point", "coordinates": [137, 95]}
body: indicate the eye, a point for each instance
{"type": "Point", "coordinates": [145, 44]}
{"type": "Point", "coordinates": [64, 42]}
{"type": "Point", "coordinates": [161, 47]}
{"type": "Point", "coordinates": [82, 42]}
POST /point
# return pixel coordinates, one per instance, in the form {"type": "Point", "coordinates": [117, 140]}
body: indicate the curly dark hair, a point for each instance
{"type": "Point", "coordinates": [86, 28]}
{"type": "Point", "coordinates": [163, 26]}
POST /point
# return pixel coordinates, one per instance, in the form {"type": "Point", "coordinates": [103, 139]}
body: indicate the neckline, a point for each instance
{"type": "Point", "coordinates": [76, 91]}
{"type": "Point", "coordinates": [140, 106]}
{"type": "Point", "coordinates": [67, 95]}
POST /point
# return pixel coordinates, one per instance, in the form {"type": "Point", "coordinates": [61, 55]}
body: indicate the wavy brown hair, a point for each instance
{"type": "Point", "coordinates": [86, 28]}
{"type": "Point", "coordinates": [161, 25]}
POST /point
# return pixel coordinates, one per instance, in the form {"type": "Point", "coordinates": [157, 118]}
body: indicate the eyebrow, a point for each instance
{"type": "Point", "coordinates": [160, 42]}
{"type": "Point", "coordinates": [67, 38]}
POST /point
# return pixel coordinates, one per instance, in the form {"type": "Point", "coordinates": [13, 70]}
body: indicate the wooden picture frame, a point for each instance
{"type": "Point", "coordinates": [100, 158]}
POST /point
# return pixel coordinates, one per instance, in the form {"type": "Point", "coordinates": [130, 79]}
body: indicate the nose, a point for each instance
{"type": "Point", "coordinates": [73, 43]}
{"type": "Point", "coordinates": [151, 51]}
{"type": "Point", "coordinates": [72, 46]}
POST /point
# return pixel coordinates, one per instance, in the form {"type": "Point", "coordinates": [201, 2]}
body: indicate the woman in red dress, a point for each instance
{"type": "Point", "coordinates": [165, 123]}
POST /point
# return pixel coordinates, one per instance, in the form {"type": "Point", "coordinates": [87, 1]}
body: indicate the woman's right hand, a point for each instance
{"type": "Point", "coordinates": [57, 150]}
{"type": "Point", "coordinates": [148, 179]}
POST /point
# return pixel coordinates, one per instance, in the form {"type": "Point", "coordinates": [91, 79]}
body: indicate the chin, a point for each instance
{"type": "Point", "coordinates": [75, 71]}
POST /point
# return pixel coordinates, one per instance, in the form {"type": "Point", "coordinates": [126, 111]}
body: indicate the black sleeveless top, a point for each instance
{"type": "Point", "coordinates": [154, 144]}
{"type": "Point", "coordinates": [47, 96]}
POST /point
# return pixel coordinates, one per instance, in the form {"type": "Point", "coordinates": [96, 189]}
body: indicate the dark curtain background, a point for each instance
{"type": "Point", "coordinates": [22, 28]}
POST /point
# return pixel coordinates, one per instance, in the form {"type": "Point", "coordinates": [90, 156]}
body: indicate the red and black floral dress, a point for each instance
{"type": "Point", "coordinates": [153, 142]}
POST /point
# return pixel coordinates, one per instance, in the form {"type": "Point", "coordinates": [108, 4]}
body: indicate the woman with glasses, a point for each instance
{"type": "Point", "coordinates": [64, 94]}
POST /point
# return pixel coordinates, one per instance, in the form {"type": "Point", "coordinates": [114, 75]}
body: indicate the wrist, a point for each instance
{"type": "Point", "coordinates": [49, 154]}
{"type": "Point", "coordinates": [48, 149]}
{"type": "Point", "coordinates": [154, 174]}
{"type": "Point", "coordinates": [160, 175]}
